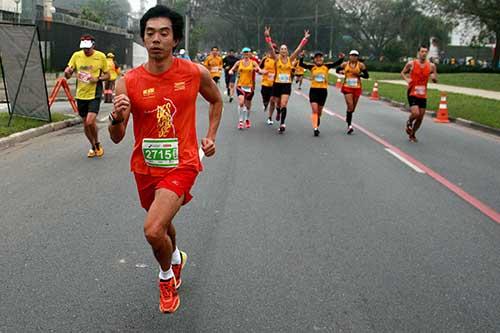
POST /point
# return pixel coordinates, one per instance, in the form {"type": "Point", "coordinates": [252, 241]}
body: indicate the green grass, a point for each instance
{"type": "Point", "coordinates": [486, 81]}
{"type": "Point", "coordinates": [481, 110]}
{"type": "Point", "coordinates": [22, 123]}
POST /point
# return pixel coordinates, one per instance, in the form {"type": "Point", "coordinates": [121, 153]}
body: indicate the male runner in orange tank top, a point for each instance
{"type": "Point", "coordinates": [161, 97]}
{"type": "Point", "coordinates": [420, 70]}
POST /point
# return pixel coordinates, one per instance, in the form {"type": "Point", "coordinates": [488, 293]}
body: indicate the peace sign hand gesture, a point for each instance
{"type": "Point", "coordinates": [307, 34]}
{"type": "Point", "coordinates": [267, 31]}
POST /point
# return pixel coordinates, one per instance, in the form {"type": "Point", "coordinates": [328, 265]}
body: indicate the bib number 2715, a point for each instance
{"type": "Point", "coordinates": [162, 153]}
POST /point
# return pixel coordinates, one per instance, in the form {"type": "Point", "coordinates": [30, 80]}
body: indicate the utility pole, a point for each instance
{"type": "Point", "coordinates": [316, 28]}
{"type": "Point", "coordinates": [331, 38]}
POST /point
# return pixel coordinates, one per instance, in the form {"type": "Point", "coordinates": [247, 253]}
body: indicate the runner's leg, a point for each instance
{"type": "Point", "coordinates": [90, 128]}
{"type": "Point", "coordinates": [418, 120]}
{"type": "Point", "coordinates": [156, 226]}
{"type": "Point", "coordinates": [283, 104]}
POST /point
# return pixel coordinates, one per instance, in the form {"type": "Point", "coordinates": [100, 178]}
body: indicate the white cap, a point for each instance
{"type": "Point", "coordinates": [182, 51]}
{"type": "Point", "coordinates": [354, 52]}
{"type": "Point", "coordinates": [86, 44]}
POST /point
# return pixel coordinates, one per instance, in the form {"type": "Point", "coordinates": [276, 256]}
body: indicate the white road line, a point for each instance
{"type": "Point", "coordinates": [405, 161]}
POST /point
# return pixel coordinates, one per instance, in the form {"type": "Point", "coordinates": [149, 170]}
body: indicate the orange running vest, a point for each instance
{"type": "Point", "coordinates": [164, 106]}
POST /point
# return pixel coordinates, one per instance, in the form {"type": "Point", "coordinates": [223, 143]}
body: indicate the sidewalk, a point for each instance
{"type": "Point", "coordinates": [455, 89]}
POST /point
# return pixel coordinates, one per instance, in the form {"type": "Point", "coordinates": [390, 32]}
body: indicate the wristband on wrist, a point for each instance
{"type": "Point", "coordinates": [303, 42]}
{"type": "Point", "coordinates": [113, 120]}
{"type": "Point", "coordinates": [269, 40]}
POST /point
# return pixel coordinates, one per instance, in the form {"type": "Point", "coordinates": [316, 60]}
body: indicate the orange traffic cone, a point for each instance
{"type": "Point", "coordinates": [375, 95]}
{"type": "Point", "coordinates": [339, 84]}
{"type": "Point", "coordinates": [442, 114]}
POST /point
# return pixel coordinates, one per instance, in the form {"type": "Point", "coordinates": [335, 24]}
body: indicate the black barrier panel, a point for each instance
{"type": "Point", "coordinates": [60, 40]}
{"type": "Point", "coordinates": [23, 71]}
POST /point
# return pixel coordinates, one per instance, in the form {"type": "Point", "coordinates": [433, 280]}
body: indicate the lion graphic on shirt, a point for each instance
{"type": "Point", "coordinates": [165, 118]}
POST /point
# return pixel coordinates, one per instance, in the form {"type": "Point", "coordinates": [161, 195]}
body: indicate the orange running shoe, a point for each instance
{"type": "Point", "coordinates": [169, 298]}
{"type": "Point", "coordinates": [178, 268]}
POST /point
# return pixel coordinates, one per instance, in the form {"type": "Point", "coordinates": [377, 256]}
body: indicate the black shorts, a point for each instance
{"type": "Point", "coordinates": [318, 95]}
{"type": "Point", "coordinates": [248, 95]}
{"type": "Point", "coordinates": [85, 106]}
{"type": "Point", "coordinates": [415, 101]}
{"type": "Point", "coordinates": [229, 78]}
{"type": "Point", "coordinates": [267, 93]}
{"type": "Point", "coordinates": [282, 89]}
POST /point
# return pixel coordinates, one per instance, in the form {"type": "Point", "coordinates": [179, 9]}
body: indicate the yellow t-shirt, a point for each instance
{"type": "Point", "coordinates": [319, 77]}
{"type": "Point", "coordinates": [214, 65]}
{"type": "Point", "coordinates": [246, 74]}
{"type": "Point", "coordinates": [298, 69]}
{"type": "Point", "coordinates": [270, 67]}
{"type": "Point", "coordinates": [114, 70]}
{"type": "Point", "coordinates": [283, 71]}
{"type": "Point", "coordinates": [86, 68]}
{"type": "Point", "coordinates": [352, 79]}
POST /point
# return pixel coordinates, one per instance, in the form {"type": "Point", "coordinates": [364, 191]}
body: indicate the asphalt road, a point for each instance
{"type": "Point", "coordinates": [285, 233]}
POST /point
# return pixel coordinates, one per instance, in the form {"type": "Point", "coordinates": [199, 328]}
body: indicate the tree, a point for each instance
{"type": "Point", "coordinates": [112, 12]}
{"type": "Point", "coordinates": [485, 12]}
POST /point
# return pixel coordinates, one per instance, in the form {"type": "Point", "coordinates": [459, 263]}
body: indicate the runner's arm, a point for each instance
{"type": "Point", "coordinates": [364, 72]}
{"type": "Point", "coordinates": [236, 64]}
{"type": "Point", "coordinates": [211, 93]}
{"type": "Point", "coordinates": [121, 112]}
{"type": "Point", "coordinates": [70, 68]}
{"type": "Point", "coordinates": [339, 62]}
{"type": "Point", "coordinates": [269, 42]}
{"type": "Point", "coordinates": [304, 65]}
{"type": "Point", "coordinates": [340, 69]}
{"type": "Point", "coordinates": [434, 73]}
{"type": "Point", "coordinates": [262, 63]}
{"type": "Point", "coordinates": [405, 71]}
{"type": "Point", "coordinates": [302, 44]}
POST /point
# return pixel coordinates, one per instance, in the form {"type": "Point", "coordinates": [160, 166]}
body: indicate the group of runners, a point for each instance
{"type": "Point", "coordinates": [161, 94]}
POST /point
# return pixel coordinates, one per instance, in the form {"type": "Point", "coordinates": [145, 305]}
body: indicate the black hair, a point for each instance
{"type": "Point", "coordinates": [232, 50]}
{"type": "Point", "coordinates": [215, 47]}
{"type": "Point", "coordinates": [163, 11]}
{"type": "Point", "coordinates": [423, 46]}
{"type": "Point", "coordinates": [88, 37]}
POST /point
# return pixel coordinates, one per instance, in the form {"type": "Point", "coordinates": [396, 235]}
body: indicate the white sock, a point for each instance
{"type": "Point", "coordinates": [176, 257]}
{"type": "Point", "coordinates": [241, 112]}
{"type": "Point", "coordinates": [166, 275]}
{"type": "Point", "coordinates": [245, 113]}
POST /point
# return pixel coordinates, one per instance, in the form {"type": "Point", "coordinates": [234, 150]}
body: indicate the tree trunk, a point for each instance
{"type": "Point", "coordinates": [496, 54]}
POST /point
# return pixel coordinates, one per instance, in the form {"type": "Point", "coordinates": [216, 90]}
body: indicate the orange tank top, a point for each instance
{"type": "Point", "coordinates": [246, 74]}
{"type": "Point", "coordinates": [283, 71]}
{"type": "Point", "coordinates": [352, 79]}
{"type": "Point", "coordinates": [419, 78]}
{"type": "Point", "coordinates": [163, 106]}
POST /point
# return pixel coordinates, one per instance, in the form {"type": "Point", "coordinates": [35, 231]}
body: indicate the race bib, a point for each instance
{"type": "Point", "coordinates": [420, 90]}
{"type": "Point", "coordinates": [352, 82]}
{"type": "Point", "coordinates": [320, 78]}
{"type": "Point", "coordinates": [161, 153]}
{"type": "Point", "coordinates": [84, 77]}
{"type": "Point", "coordinates": [285, 78]}
{"type": "Point", "coordinates": [270, 76]}
{"type": "Point", "coordinates": [247, 89]}
{"type": "Point", "coordinates": [214, 69]}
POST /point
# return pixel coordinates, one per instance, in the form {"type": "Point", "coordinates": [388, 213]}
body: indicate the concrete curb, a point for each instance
{"type": "Point", "coordinates": [430, 113]}
{"type": "Point", "coordinates": [38, 131]}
